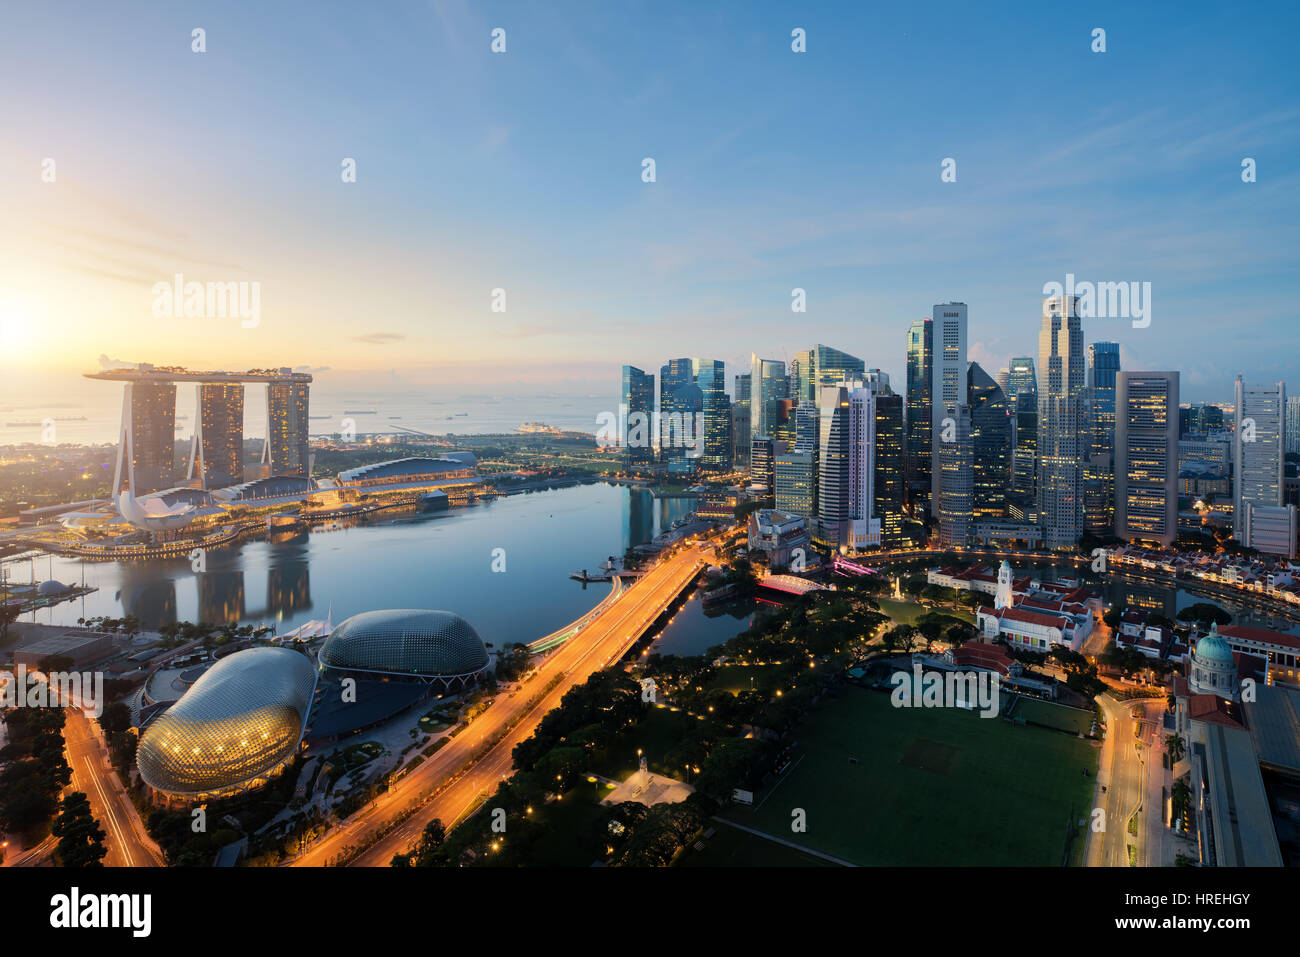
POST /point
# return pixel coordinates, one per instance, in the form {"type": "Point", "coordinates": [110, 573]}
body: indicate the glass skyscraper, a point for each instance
{"type": "Point", "coordinates": [1099, 481]}
{"type": "Point", "coordinates": [1061, 423]}
{"type": "Point", "coordinates": [636, 418]}
{"type": "Point", "coordinates": [920, 360]}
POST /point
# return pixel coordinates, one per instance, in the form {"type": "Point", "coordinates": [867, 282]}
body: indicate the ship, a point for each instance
{"type": "Point", "coordinates": [535, 428]}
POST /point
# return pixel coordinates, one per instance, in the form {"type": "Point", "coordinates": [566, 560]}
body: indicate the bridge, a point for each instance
{"type": "Point", "coordinates": [842, 566]}
{"type": "Point", "coordinates": [793, 585]}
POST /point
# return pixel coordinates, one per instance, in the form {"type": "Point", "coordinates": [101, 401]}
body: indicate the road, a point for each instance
{"type": "Point", "coordinates": [1130, 767]}
{"type": "Point", "coordinates": [128, 844]}
{"type": "Point", "coordinates": [460, 782]}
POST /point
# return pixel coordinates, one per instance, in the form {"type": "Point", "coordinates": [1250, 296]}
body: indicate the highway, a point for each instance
{"type": "Point", "coordinates": [460, 782]}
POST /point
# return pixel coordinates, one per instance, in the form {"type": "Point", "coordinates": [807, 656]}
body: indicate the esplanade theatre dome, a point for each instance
{"type": "Point", "coordinates": [233, 728]}
{"type": "Point", "coordinates": [407, 642]}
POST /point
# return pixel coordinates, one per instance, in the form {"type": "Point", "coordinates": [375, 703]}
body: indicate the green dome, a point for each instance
{"type": "Point", "coordinates": [1212, 649]}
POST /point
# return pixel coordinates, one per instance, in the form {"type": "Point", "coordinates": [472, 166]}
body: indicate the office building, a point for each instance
{"type": "Point", "coordinates": [990, 438]}
{"type": "Point", "coordinates": [888, 459]}
{"type": "Point", "coordinates": [1061, 422]}
{"type": "Point", "coordinates": [954, 496]}
{"type": "Point", "coordinates": [794, 481]}
{"type": "Point", "coordinates": [1099, 467]}
{"type": "Point", "coordinates": [768, 386]}
{"type": "Point", "coordinates": [1257, 451]}
{"type": "Point", "coordinates": [715, 414]}
{"type": "Point", "coordinates": [948, 376]}
{"type": "Point", "coordinates": [636, 415]}
{"type": "Point", "coordinates": [920, 365]}
{"type": "Point", "coordinates": [741, 433]}
{"type": "Point", "coordinates": [681, 413]}
{"type": "Point", "coordinates": [1146, 457]}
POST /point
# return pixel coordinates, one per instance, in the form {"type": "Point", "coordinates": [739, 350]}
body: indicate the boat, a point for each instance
{"type": "Point", "coordinates": [359, 412]}
{"type": "Point", "coordinates": [535, 428]}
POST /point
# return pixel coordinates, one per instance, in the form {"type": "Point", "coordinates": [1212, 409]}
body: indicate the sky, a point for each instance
{"type": "Point", "coordinates": [522, 171]}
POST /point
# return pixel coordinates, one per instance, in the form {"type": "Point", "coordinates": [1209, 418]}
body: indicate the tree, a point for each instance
{"type": "Point", "coordinates": [1175, 746]}
{"type": "Point", "coordinates": [1203, 613]}
{"type": "Point", "coordinates": [81, 839]}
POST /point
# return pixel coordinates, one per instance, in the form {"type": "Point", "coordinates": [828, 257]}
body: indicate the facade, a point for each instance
{"type": "Point", "coordinates": [777, 535]}
{"type": "Point", "coordinates": [1270, 528]}
{"type": "Point", "coordinates": [636, 415]}
{"type": "Point", "coordinates": [434, 647]}
{"type": "Point", "coordinates": [990, 439]}
{"type": "Point", "coordinates": [948, 376]}
{"type": "Point", "coordinates": [833, 454]}
{"type": "Point", "coordinates": [233, 729]}
{"type": "Point", "coordinates": [217, 452]}
{"type": "Point", "coordinates": [1257, 451]}
{"type": "Point", "coordinates": [711, 378]}
{"type": "Point", "coordinates": [920, 372]}
{"type": "Point", "coordinates": [888, 463]}
{"type": "Point", "coordinates": [1293, 425]}
{"type": "Point", "coordinates": [1023, 404]}
{"type": "Point", "coordinates": [954, 474]}
{"type": "Point", "coordinates": [287, 449]}
{"type": "Point", "coordinates": [831, 367]}
{"type": "Point", "coordinates": [1146, 463]}
{"type": "Point", "coordinates": [1099, 480]}
{"type": "Point", "coordinates": [762, 462]}
{"type": "Point", "coordinates": [681, 407]}
{"type": "Point", "coordinates": [768, 385]}
{"type": "Point", "coordinates": [1061, 422]}
{"type": "Point", "coordinates": [148, 438]}
{"type": "Point", "coordinates": [741, 432]}
{"type": "Point", "coordinates": [794, 482]}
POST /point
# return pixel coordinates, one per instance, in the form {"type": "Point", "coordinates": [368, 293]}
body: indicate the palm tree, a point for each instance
{"type": "Point", "coordinates": [1175, 746]}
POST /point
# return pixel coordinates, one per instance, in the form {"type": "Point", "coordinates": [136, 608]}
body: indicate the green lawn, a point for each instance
{"type": "Point", "coordinates": [906, 612]}
{"type": "Point", "coordinates": [1071, 720]}
{"type": "Point", "coordinates": [930, 787]}
{"type": "Point", "coordinates": [729, 847]}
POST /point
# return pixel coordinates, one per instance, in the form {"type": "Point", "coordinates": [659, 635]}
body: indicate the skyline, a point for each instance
{"type": "Point", "coordinates": [532, 183]}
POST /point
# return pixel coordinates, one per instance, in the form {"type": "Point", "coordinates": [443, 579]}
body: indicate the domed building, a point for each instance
{"type": "Point", "coordinates": [435, 647]}
{"type": "Point", "coordinates": [232, 730]}
{"type": "Point", "coordinates": [1211, 668]}
{"type": "Point", "coordinates": [51, 588]}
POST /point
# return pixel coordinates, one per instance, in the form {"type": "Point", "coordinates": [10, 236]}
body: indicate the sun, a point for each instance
{"type": "Point", "coordinates": [18, 332]}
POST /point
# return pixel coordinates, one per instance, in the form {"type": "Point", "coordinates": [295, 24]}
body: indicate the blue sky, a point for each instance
{"type": "Point", "coordinates": [523, 171]}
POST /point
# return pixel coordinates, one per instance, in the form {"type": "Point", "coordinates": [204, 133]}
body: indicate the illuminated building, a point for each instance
{"type": "Point", "coordinates": [1146, 464]}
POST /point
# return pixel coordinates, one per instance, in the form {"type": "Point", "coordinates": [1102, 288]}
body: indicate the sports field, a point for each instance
{"type": "Point", "coordinates": [1057, 716]}
{"type": "Point", "coordinates": [930, 786]}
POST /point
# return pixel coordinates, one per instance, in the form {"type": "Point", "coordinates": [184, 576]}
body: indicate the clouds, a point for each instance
{"type": "Point", "coordinates": [380, 338]}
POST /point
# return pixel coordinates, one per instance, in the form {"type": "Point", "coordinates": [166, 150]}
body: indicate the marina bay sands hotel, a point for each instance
{"type": "Point", "coordinates": [146, 441]}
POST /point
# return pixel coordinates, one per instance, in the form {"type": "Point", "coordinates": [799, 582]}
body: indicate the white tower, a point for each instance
{"type": "Point", "coordinates": [1003, 599]}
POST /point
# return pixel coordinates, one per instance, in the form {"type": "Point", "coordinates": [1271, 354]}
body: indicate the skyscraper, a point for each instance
{"type": "Point", "coordinates": [920, 363]}
{"type": "Point", "coordinates": [741, 432]}
{"type": "Point", "coordinates": [768, 385]}
{"type": "Point", "coordinates": [890, 441]}
{"type": "Point", "coordinates": [681, 407]}
{"type": "Point", "coordinates": [833, 502]}
{"type": "Point", "coordinates": [636, 415]}
{"type": "Point", "coordinates": [148, 448]}
{"type": "Point", "coordinates": [1061, 421]}
{"type": "Point", "coordinates": [1146, 456]}
{"type": "Point", "coordinates": [1257, 451]}
{"type": "Point", "coordinates": [1022, 399]}
{"type": "Point", "coordinates": [287, 449]}
{"type": "Point", "coordinates": [990, 436]}
{"type": "Point", "coordinates": [948, 376]}
{"type": "Point", "coordinates": [1099, 493]}
{"type": "Point", "coordinates": [711, 378]}
{"type": "Point", "coordinates": [833, 366]}
{"type": "Point", "coordinates": [794, 481]}
{"type": "Point", "coordinates": [1293, 425]}
{"type": "Point", "coordinates": [217, 450]}
{"type": "Point", "coordinates": [954, 494]}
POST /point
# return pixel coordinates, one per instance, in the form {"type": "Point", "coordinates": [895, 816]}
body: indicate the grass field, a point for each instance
{"type": "Point", "coordinates": [930, 787]}
{"type": "Point", "coordinates": [1071, 720]}
{"type": "Point", "coordinates": [906, 612]}
{"type": "Point", "coordinates": [729, 847]}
